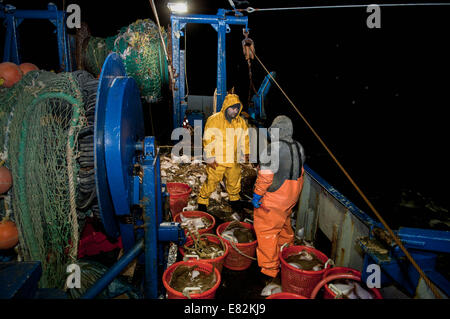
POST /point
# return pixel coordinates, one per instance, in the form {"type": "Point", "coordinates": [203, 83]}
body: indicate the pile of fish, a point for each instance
{"type": "Point", "coordinates": [305, 260]}
{"type": "Point", "coordinates": [184, 169]}
{"type": "Point", "coordinates": [194, 223]}
{"type": "Point", "coordinates": [188, 280]}
{"type": "Point", "coordinates": [192, 171]}
{"type": "Point", "coordinates": [176, 169]}
{"type": "Point", "coordinates": [349, 289]}
{"type": "Point", "coordinates": [204, 249]}
{"type": "Point", "coordinates": [236, 233]}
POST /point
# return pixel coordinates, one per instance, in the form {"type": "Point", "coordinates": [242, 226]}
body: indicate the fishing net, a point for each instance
{"type": "Point", "coordinates": [42, 116]}
{"type": "Point", "coordinates": [97, 49]}
{"type": "Point", "coordinates": [140, 47]}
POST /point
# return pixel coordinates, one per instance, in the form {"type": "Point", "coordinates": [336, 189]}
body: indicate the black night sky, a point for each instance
{"type": "Point", "coordinates": [377, 97]}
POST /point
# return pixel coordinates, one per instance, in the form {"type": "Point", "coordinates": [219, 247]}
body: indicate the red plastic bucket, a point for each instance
{"type": "Point", "coordinates": [298, 281]}
{"type": "Point", "coordinates": [195, 214]}
{"type": "Point", "coordinates": [329, 294]}
{"type": "Point", "coordinates": [216, 261]}
{"type": "Point", "coordinates": [179, 196]}
{"type": "Point", "coordinates": [203, 267]}
{"type": "Point", "coordinates": [286, 295]}
{"type": "Point", "coordinates": [235, 260]}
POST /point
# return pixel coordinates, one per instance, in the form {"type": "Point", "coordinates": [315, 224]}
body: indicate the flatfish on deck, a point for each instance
{"type": "Point", "coordinates": [305, 260]}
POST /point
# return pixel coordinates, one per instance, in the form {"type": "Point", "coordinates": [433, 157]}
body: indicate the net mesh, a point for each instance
{"type": "Point", "coordinates": [41, 118]}
{"type": "Point", "coordinates": [139, 45]}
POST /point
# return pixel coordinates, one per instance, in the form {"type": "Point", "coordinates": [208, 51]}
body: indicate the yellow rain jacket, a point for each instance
{"type": "Point", "coordinates": [222, 139]}
{"type": "Point", "coordinates": [227, 142]}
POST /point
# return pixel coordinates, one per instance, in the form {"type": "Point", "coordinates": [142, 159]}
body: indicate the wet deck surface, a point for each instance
{"type": "Point", "coordinates": [244, 284]}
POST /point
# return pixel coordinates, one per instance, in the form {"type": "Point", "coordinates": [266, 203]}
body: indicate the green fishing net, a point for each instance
{"type": "Point", "coordinates": [40, 118]}
{"type": "Point", "coordinates": [140, 47]}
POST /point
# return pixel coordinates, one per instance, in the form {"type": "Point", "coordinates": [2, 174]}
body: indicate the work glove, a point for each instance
{"type": "Point", "coordinates": [256, 200]}
{"type": "Point", "coordinates": [211, 162]}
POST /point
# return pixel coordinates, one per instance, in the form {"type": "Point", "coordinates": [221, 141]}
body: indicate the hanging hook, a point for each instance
{"type": "Point", "coordinates": [248, 46]}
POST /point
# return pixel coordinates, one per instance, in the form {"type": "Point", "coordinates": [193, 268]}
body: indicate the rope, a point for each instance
{"type": "Point", "coordinates": [374, 210]}
{"type": "Point", "coordinates": [73, 205]}
{"type": "Point", "coordinates": [196, 242]}
{"type": "Point", "coordinates": [240, 252]}
{"type": "Point", "coordinates": [234, 245]}
{"type": "Point", "coordinates": [251, 10]}
{"type": "Point", "coordinates": [169, 63]}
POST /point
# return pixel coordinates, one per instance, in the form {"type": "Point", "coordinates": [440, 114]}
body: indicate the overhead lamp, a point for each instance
{"type": "Point", "coordinates": [177, 7]}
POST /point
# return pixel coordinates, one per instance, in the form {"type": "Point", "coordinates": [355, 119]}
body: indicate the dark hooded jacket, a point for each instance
{"type": "Point", "coordinates": [291, 153]}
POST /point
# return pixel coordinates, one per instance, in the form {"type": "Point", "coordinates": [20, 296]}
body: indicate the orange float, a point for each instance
{"type": "Point", "coordinates": [5, 179]}
{"type": "Point", "coordinates": [10, 74]}
{"type": "Point", "coordinates": [9, 235]}
{"type": "Point", "coordinates": [27, 67]}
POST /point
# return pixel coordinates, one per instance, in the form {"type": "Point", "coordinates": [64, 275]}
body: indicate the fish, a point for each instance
{"type": "Point", "coordinates": [216, 196]}
{"type": "Point", "coordinates": [236, 216]}
{"type": "Point", "coordinates": [317, 267]}
{"type": "Point", "coordinates": [361, 292]}
{"type": "Point", "coordinates": [193, 222]}
{"type": "Point", "coordinates": [350, 290]}
{"type": "Point", "coordinates": [188, 280]}
{"type": "Point", "coordinates": [271, 289]}
{"type": "Point", "coordinates": [295, 265]}
{"type": "Point", "coordinates": [229, 235]}
{"type": "Point", "coordinates": [304, 255]}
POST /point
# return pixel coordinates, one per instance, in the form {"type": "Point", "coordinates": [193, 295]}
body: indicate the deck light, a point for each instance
{"type": "Point", "coordinates": [177, 7]}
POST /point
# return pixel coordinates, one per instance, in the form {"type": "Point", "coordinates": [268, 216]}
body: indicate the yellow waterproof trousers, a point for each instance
{"type": "Point", "coordinates": [232, 182]}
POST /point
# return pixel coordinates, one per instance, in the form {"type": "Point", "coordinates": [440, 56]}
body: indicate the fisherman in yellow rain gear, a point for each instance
{"type": "Point", "coordinates": [225, 143]}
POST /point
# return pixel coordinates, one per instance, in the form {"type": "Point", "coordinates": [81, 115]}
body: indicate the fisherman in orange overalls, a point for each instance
{"type": "Point", "coordinates": [277, 190]}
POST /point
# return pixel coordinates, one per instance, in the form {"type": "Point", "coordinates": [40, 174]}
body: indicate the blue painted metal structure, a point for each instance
{"type": "Point", "coordinates": [13, 18]}
{"type": "Point", "coordinates": [422, 244]}
{"type": "Point", "coordinates": [128, 179]}
{"type": "Point", "coordinates": [221, 23]}
{"type": "Point", "coordinates": [257, 111]}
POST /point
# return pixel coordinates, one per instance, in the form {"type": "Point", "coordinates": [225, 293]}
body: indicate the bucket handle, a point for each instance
{"type": "Point", "coordinates": [190, 208]}
{"type": "Point", "coordinates": [283, 246]}
{"type": "Point", "coordinates": [248, 221]}
{"type": "Point", "coordinates": [328, 263]}
{"type": "Point", "coordinates": [339, 294]}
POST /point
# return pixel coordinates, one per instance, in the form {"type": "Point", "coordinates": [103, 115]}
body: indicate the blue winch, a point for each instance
{"type": "Point", "coordinates": [128, 179]}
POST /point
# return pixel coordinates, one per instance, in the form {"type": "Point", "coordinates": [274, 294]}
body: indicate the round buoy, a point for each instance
{"type": "Point", "coordinates": [5, 179]}
{"type": "Point", "coordinates": [27, 67]}
{"type": "Point", "coordinates": [10, 74]}
{"type": "Point", "coordinates": [9, 236]}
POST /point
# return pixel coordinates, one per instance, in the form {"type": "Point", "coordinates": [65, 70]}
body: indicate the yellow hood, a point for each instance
{"type": "Point", "coordinates": [231, 99]}
{"type": "Point", "coordinates": [217, 144]}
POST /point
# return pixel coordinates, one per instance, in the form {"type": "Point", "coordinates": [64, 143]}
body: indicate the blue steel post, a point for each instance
{"type": "Point", "coordinates": [220, 23]}
{"type": "Point", "coordinates": [176, 69]}
{"type": "Point", "coordinates": [114, 271]}
{"type": "Point", "coordinates": [15, 17]}
{"type": "Point", "coordinates": [159, 208]}
{"type": "Point", "coordinates": [221, 64]}
{"type": "Point", "coordinates": [182, 90]}
{"type": "Point", "coordinates": [11, 50]}
{"type": "Point", "coordinates": [149, 202]}
{"type": "Point", "coordinates": [63, 49]}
